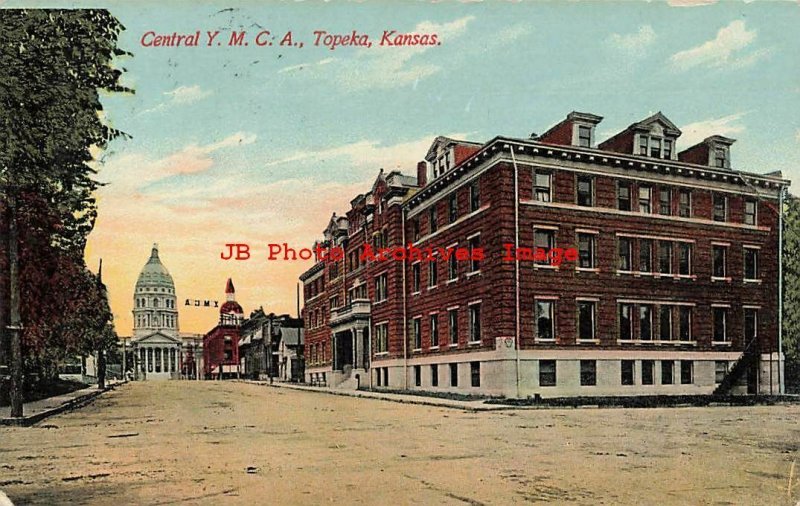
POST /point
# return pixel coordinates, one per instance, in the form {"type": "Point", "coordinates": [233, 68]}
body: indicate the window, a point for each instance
{"type": "Point", "coordinates": [665, 201]}
{"type": "Point", "coordinates": [586, 251]}
{"type": "Point", "coordinates": [750, 263]}
{"type": "Point", "coordinates": [415, 277]}
{"type": "Point", "coordinates": [452, 268]}
{"type": "Point", "coordinates": [547, 373]}
{"type": "Point", "coordinates": [665, 257]}
{"type": "Point", "coordinates": [720, 207]}
{"type": "Point", "coordinates": [474, 244]}
{"type": "Point", "coordinates": [720, 371]}
{"type": "Point", "coordinates": [645, 193]}
{"type": "Point", "coordinates": [433, 273]}
{"type": "Point", "coordinates": [625, 328]}
{"type": "Point", "coordinates": [385, 376]}
{"type": "Point", "coordinates": [544, 239]}
{"type": "Point", "coordinates": [720, 264]}
{"type": "Point", "coordinates": [541, 186]}
{"type": "Point", "coordinates": [624, 196]}
{"type": "Point", "coordinates": [379, 377]}
{"type": "Point", "coordinates": [382, 338]}
{"type": "Point", "coordinates": [665, 323]}
{"type": "Point", "coordinates": [475, 373]}
{"type": "Point", "coordinates": [474, 323]}
{"type": "Point", "coordinates": [434, 330]}
{"type": "Point", "coordinates": [685, 323]}
{"type": "Point", "coordinates": [627, 369]}
{"type": "Point", "coordinates": [686, 372]}
{"type": "Point", "coordinates": [418, 375]}
{"type": "Point", "coordinates": [655, 147]}
{"type": "Point", "coordinates": [750, 325]}
{"type": "Point", "coordinates": [588, 373]}
{"type": "Point", "coordinates": [381, 288]}
{"type": "Point", "coordinates": [646, 322]}
{"type": "Point", "coordinates": [584, 136]}
{"type": "Point", "coordinates": [433, 218]}
{"type": "Point", "coordinates": [624, 254]}
{"type": "Point", "coordinates": [453, 320]}
{"type": "Point", "coordinates": [720, 324]}
{"type": "Point", "coordinates": [434, 375]}
{"type": "Point", "coordinates": [647, 372]}
{"type": "Point", "coordinates": [474, 197]}
{"type": "Point", "coordinates": [643, 145]}
{"type": "Point", "coordinates": [416, 332]}
{"type": "Point", "coordinates": [415, 229]}
{"type": "Point", "coordinates": [684, 258]}
{"type": "Point", "coordinates": [720, 158]}
{"type": "Point", "coordinates": [453, 375]}
{"type": "Point", "coordinates": [646, 255]}
{"type": "Point", "coordinates": [667, 149]}
{"type": "Point", "coordinates": [667, 372]}
{"type": "Point", "coordinates": [545, 329]}
{"type": "Point", "coordinates": [685, 203]}
{"type": "Point", "coordinates": [452, 207]}
{"type": "Point", "coordinates": [584, 191]}
{"type": "Point", "coordinates": [750, 212]}
{"type": "Point", "coordinates": [586, 320]}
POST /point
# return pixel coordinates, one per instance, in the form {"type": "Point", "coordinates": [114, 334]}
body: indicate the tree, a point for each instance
{"type": "Point", "coordinates": [791, 292]}
{"type": "Point", "coordinates": [53, 66]}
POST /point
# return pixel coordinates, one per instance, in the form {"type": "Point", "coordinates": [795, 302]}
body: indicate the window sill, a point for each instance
{"type": "Point", "coordinates": [474, 343]}
{"type": "Point", "coordinates": [588, 341]}
{"type": "Point", "coordinates": [473, 273]}
{"type": "Point", "coordinates": [545, 341]}
{"type": "Point", "coordinates": [451, 281]}
{"type": "Point", "coordinates": [432, 287]}
{"type": "Point", "coordinates": [715, 279]}
{"type": "Point", "coordinates": [720, 343]}
{"type": "Point", "coordinates": [379, 302]}
{"type": "Point", "coordinates": [753, 281]}
{"type": "Point", "coordinates": [381, 353]}
{"type": "Point", "coordinates": [587, 269]}
{"type": "Point", "coordinates": [546, 266]}
{"type": "Point", "coordinates": [416, 350]}
{"type": "Point", "coordinates": [415, 293]}
{"type": "Point", "coordinates": [434, 347]}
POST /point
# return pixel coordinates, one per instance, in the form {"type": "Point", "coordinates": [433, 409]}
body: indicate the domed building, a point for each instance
{"type": "Point", "coordinates": [221, 344]}
{"type": "Point", "coordinates": [156, 342]}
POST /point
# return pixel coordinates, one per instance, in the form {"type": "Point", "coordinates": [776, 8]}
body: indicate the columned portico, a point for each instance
{"type": "Point", "coordinates": [350, 346]}
{"type": "Point", "coordinates": [157, 357]}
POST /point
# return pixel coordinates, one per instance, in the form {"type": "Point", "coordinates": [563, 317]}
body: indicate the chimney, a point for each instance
{"type": "Point", "coordinates": [422, 173]}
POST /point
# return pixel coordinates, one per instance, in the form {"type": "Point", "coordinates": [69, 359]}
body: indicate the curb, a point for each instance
{"type": "Point", "coordinates": [421, 402]}
{"type": "Point", "coordinates": [75, 403]}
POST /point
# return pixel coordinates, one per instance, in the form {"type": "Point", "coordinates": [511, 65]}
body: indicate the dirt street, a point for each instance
{"type": "Point", "coordinates": [234, 443]}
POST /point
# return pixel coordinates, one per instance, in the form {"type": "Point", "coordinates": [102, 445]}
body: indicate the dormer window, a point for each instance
{"type": "Point", "coordinates": [655, 147]}
{"type": "Point", "coordinates": [720, 158]}
{"type": "Point", "coordinates": [584, 136]}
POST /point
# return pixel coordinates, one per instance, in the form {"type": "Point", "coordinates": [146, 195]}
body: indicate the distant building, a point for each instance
{"type": "Point", "coordinates": [271, 346]}
{"type": "Point", "coordinates": [156, 344]}
{"type": "Point", "coordinates": [221, 344]}
{"type": "Point", "coordinates": [674, 289]}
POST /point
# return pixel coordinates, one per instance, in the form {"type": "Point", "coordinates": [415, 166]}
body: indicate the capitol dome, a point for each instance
{"type": "Point", "coordinates": [154, 274]}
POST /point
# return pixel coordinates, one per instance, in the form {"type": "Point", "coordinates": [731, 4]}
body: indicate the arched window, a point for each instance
{"type": "Point", "coordinates": [155, 302]}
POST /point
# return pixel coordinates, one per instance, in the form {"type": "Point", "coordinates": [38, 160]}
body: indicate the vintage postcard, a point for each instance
{"type": "Point", "coordinates": [453, 252]}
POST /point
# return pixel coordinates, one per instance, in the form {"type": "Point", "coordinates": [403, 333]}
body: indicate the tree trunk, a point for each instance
{"type": "Point", "coordinates": [101, 369]}
{"type": "Point", "coordinates": [15, 324]}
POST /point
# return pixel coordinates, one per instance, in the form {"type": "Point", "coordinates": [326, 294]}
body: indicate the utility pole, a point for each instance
{"type": "Point", "coordinates": [269, 348]}
{"type": "Point", "coordinates": [15, 321]}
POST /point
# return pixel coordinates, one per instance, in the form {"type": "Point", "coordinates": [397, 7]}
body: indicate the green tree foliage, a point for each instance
{"type": "Point", "coordinates": [791, 292]}
{"type": "Point", "coordinates": [54, 65]}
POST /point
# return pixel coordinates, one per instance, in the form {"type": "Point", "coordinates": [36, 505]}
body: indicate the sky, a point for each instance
{"type": "Point", "coordinates": [261, 145]}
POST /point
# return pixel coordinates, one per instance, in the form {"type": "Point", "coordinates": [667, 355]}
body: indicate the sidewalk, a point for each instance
{"type": "Point", "coordinates": [37, 411]}
{"type": "Point", "coordinates": [476, 405]}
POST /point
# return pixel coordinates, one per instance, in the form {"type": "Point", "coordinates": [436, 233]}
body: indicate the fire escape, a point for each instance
{"type": "Point", "coordinates": [745, 362]}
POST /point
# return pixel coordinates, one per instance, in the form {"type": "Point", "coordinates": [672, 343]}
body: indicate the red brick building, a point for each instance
{"type": "Point", "coordinates": [221, 344]}
{"type": "Point", "coordinates": [674, 289]}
